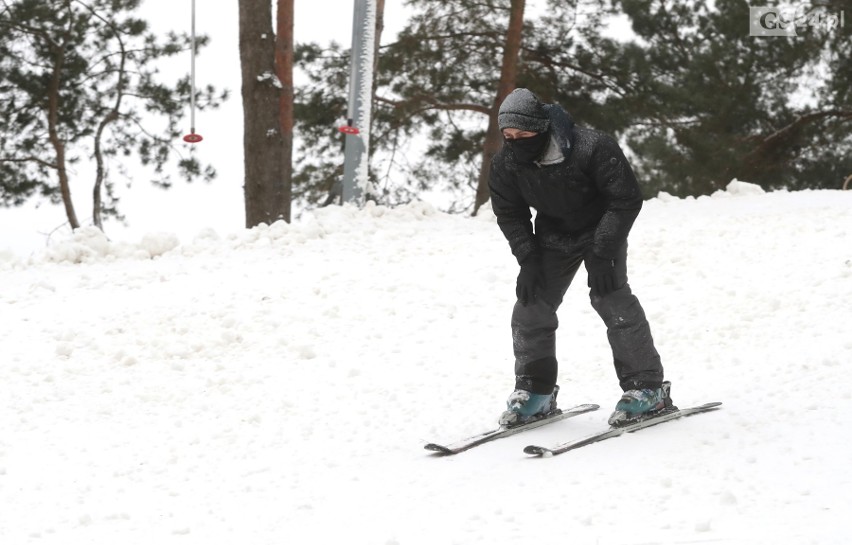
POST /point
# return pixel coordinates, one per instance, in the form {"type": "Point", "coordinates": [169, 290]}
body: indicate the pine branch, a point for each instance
{"type": "Point", "coordinates": [433, 103]}
{"type": "Point", "coordinates": [30, 159]}
{"type": "Point", "coordinates": [550, 64]}
{"type": "Point", "coordinates": [765, 144]}
{"type": "Point", "coordinates": [802, 121]}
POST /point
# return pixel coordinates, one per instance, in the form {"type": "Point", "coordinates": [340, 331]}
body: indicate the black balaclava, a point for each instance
{"type": "Point", "coordinates": [527, 150]}
{"type": "Point", "coordinates": [523, 110]}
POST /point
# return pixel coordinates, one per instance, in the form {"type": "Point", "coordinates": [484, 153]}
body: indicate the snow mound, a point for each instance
{"type": "Point", "coordinates": [86, 244]}
{"type": "Point", "coordinates": [8, 259]}
{"type": "Point", "coordinates": [90, 245]}
{"type": "Point", "coordinates": [157, 244]}
{"type": "Point", "coordinates": [737, 188]}
{"type": "Point", "coordinates": [317, 225]}
{"type": "Point", "coordinates": [663, 196]}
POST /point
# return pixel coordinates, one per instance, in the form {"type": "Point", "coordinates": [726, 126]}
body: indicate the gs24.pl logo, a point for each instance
{"type": "Point", "coordinates": [785, 21]}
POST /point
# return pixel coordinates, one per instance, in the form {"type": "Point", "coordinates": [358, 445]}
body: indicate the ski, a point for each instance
{"type": "Point", "coordinates": [613, 431]}
{"type": "Point", "coordinates": [499, 433]}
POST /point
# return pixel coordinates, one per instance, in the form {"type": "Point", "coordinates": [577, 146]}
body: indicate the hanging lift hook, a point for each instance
{"type": "Point", "coordinates": [192, 137]}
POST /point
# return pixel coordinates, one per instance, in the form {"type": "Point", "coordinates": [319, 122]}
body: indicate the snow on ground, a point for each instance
{"type": "Point", "coordinates": [276, 386]}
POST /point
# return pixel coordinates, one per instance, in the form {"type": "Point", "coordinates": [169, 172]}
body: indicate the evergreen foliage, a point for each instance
{"type": "Point", "coordinates": [696, 99]}
{"type": "Point", "coordinates": [710, 103]}
{"type": "Point", "coordinates": [78, 85]}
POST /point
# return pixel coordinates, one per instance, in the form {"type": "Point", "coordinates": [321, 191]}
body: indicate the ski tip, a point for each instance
{"type": "Point", "coordinates": [438, 449]}
{"type": "Point", "coordinates": [534, 450]}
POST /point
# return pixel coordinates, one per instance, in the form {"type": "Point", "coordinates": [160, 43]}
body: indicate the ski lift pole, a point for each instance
{"type": "Point", "coordinates": [357, 130]}
{"type": "Point", "coordinates": [192, 137]}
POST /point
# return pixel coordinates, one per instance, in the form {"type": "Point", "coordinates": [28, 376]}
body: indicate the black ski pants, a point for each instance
{"type": "Point", "coordinates": [637, 363]}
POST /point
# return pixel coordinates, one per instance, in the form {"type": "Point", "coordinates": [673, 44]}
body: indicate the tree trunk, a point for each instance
{"type": "Point", "coordinates": [52, 124]}
{"type": "Point", "coordinates": [508, 77]}
{"type": "Point", "coordinates": [263, 144]}
{"type": "Point", "coordinates": [113, 115]}
{"type": "Point", "coordinates": [284, 64]}
{"type": "Point", "coordinates": [380, 27]}
{"type": "Point", "coordinates": [100, 171]}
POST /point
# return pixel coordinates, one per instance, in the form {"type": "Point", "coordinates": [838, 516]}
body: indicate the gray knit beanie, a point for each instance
{"type": "Point", "coordinates": [523, 110]}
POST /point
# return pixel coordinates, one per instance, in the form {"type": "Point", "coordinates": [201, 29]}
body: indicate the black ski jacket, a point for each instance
{"type": "Point", "coordinates": [582, 188]}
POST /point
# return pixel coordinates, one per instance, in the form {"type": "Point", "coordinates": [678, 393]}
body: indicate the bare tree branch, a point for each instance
{"type": "Point", "coordinates": [435, 104]}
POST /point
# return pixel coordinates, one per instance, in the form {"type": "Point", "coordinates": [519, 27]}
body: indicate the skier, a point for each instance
{"type": "Point", "coordinates": [586, 198]}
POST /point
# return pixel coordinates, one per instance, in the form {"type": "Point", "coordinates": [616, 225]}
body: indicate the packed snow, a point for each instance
{"type": "Point", "coordinates": [277, 385]}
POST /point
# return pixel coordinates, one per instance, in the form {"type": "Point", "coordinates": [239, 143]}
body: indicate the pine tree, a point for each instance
{"type": "Point", "coordinates": [78, 85]}
{"type": "Point", "coordinates": [708, 103]}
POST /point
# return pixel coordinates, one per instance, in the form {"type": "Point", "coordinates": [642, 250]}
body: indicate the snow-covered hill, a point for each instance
{"type": "Point", "coordinates": [276, 386]}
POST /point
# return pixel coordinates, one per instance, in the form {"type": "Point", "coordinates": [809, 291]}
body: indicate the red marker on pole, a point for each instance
{"type": "Point", "coordinates": [348, 128]}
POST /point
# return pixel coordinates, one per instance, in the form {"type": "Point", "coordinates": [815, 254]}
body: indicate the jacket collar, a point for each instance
{"type": "Point", "coordinates": [561, 136]}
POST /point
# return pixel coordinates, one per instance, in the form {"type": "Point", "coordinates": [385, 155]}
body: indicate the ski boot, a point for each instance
{"type": "Point", "coordinates": [523, 407]}
{"type": "Point", "coordinates": [641, 404]}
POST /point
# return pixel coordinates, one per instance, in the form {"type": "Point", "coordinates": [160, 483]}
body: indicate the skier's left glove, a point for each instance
{"type": "Point", "coordinates": [603, 278]}
{"type": "Point", "coordinates": [531, 279]}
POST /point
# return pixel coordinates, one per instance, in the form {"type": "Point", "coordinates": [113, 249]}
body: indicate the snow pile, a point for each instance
{"type": "Point", "coordinates": [277, 385]}
{"type": "Point", "coordinates": [735, 188]}
{"type": "Point", "coordinates": [90, 244]}
{"type": "Point", "coordinates": [157, 244]}
{"type": "Point", "coordinates": [738, 188]}
{"type": "Point", "coordinates": [8, 259]}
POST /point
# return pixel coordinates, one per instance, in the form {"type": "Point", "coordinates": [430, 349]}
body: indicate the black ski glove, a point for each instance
{"type": "Point", "coordinates": [530, 279]}
{"type": "Point", "coordinates": [603, 278]}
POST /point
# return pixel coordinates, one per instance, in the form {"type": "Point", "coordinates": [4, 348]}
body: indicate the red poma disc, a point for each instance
{"type": "Point", "coordinates": [348, 129]}
{"type": "Point", "coordinates": [193, 138]}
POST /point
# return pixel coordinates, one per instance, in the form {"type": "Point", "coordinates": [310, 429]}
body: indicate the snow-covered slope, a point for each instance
{"type": "Point", "coordinates": [276, 386]}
